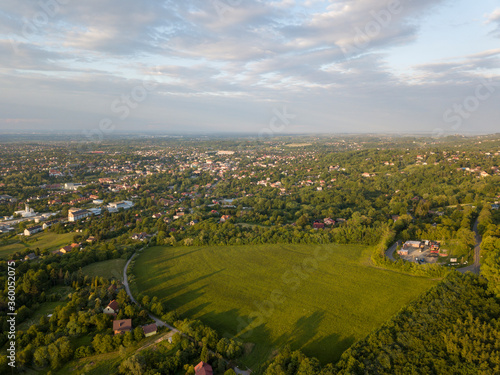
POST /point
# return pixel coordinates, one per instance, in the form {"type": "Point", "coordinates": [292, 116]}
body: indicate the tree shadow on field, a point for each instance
{"type": "Point", "coordinates": [303, 331]}
{"type": "Point", "coordinates": [183, 286]}
{"type": "Point", "coordinates": [194, 311]}
{"type": "Point", "coordinates": [328, 349]}
{"type": "Point", "coordinates": [168, 277]}
{"type": "Point", "coordinates": [183, 254]}
{"type": "Point", "coordinates": [184, 298]}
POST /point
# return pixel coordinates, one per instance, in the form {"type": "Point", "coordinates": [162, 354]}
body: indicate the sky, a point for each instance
{"type": "Point", "coordinates": [262, 67]}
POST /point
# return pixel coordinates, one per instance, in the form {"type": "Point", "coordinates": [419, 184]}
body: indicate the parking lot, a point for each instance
{"type": "Point", "coordinates": [420, 256]}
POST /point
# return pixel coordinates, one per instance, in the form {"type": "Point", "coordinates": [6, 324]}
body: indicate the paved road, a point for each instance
{"type": "Point", "coordinates": [389, 253]}
{"type": "Point", "coordinates": [476, 267]}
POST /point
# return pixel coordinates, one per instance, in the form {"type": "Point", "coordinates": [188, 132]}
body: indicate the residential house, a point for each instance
{"type": "Point", "coordinates": [140, 236]}
{"type": "Point", "coordinates": [122, 326]}
{"type": "Point", "coordinates": [203, 368]}
{"type": "Point", "coordinates": [112, 308]}
{"type": "Point", "coordinates": [33, 230]}
{"type": "Point", "coordinates": [91, 239]}
{"type": "Point", "coordinates": [48, 224]}
{"type": "Point", "coordinates": [65, 249]}
{"type": "Point", "coordinates": [30, 256]}
{"type": "Point", "coordinates": [75, 245]}
{"type": "Point", "coordinates": [329, 221]}
{"type": "Point", "coordinates": [318, 225]}
{"type": "Point", "coordinates": [224, 218]}
{"type": "Point", "coordinates": [150, 329]}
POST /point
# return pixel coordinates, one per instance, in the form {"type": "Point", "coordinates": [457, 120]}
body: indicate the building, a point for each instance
{"type": "Point", "coordinates": [65, 249]}
{"type": "Point", "coordinates": [150, 329]}
{"type": "Point", "coordinates": [27, 212]}
{"type": "Point", "coordinates": [75, 214]}
{"type": "Point", "coordinates": [318, 225]}
{"type": "Point", "coordinates": [415, 244]}
{"type": "Point", "coordinates": [48, 224]}
{"type": "Point", "coordinates": [30, 256]}
{"type": "Point", "coordinates": [5, 229]}
{"type": "Point", "coordinates": [95, 211]}
{"type": "Point", "coordinates": [329, 221]}
{"type": "Point", "coordinates": [33, 230]}
{"type": "Point", "coordinates": [203, 368]}
{"type": "Point", "coordinates": [7, 198]}
{"type": "Point", "coordinates": [72, 186]}
{"type": "Point", "coordinates": [122, 326]}
{"type": "Point", "coordinates": [140, 236]}
{"type": "Point", "coordinates": [224, 218]}
{"type": "Point", "coordinates": [115, 206]}
{"type": "Point", "coordinates": [112, 308]}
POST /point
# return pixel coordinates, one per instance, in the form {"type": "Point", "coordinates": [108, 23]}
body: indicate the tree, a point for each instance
{"type": "Point", "coordinates": [133, 365]}
{"type": "Point", "coordinates": [205, 354]}
{"type": "Point", "coordinates": [138, 334]}
{"type": "Point", "coordinates": [41, 356]}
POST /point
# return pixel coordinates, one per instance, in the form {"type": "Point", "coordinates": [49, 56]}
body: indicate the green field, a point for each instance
{"type": "Point", "coordinates": [49, 241]}
{"type": "Point", "coordinates": [112, 268]}
{"type": "Point", "coordinates": [319, 303]}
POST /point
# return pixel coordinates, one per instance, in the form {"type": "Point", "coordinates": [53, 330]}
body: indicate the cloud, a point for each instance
{"type": "Point", "coordinates": [218, 63]}
{"type": "Point", "coordinates": [494, 18]}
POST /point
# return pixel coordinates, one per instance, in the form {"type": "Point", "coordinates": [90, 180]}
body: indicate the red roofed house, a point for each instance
{"type": "Point", "coordinates": [112, 308]}
{"type": "Point", "coordinates": [203, 368]}
{"type": "Point", "coordinates": [150, 329]}
{"type": "Point", "coordinates": [122, 326]}
{"type": "Point", "coordinates": [318, 225]}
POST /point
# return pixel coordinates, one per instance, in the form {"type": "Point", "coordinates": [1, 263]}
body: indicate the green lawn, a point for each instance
{"type": "Point", "coordinates": [268, 296]}
{"type": "Point", "coordinates": [49, 241]}
{"type": "Point", "coordinates": [108, 269]}
{"type": "Point", "coordinates": [44, 309]}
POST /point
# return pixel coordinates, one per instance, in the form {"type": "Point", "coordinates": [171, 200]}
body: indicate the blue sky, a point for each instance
{"type": "Point", "coordinates": [209, 66]}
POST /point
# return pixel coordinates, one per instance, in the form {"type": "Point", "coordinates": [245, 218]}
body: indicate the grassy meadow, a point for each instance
{"type": "Point", "coordinates": [42, 240]}
{"type": "Point", "coordinates": [317, 298]}
{"type": "Point", "coordinates": [112, 268]}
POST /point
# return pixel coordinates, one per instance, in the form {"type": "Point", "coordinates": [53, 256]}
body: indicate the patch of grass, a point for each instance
{"type": "Point", "coordinates": [44, 309]}
{"type": "Point", "coordinates": [272, 295]}
{"type": "Point", "coordinates": [44, 241]}
{"type": "Point", "coordinates": [112, 268]}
